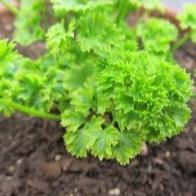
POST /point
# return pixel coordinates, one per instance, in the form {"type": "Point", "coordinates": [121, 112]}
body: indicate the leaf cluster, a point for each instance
{"type": "Point", "coordinates": [135, 99]}
{"type": "Point", "coordinates": [157, 35]}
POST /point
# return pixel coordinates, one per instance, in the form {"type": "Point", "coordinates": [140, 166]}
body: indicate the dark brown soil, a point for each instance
{"type": "Point", "coordinates": [6, 26]}
{"type": "Point", "coordinates": [33, 161]}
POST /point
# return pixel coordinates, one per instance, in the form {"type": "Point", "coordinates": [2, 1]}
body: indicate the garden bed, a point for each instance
{"type": "Point", "coordinates": [34, 161]}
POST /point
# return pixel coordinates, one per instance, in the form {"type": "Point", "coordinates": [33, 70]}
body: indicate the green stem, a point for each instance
{"type": "Point", "coordinates": [9, 6]}
{"type": "Point", "coordinates": [122, 11]}
{"type": "Point", "coordinates": [29, 111]}
{"type": "Point", "coordinates": [181, 42]}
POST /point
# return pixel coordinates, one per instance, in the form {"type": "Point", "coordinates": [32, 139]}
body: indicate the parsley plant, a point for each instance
{"type": "Point", "coordinates": [110, 95]}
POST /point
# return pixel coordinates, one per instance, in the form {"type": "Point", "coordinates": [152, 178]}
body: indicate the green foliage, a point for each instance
{"type": "Point", "coordinates": [147, 4]}
{"type": "Point", "coordinates": [110, 96]}
{"type": "Point", "coordinates": [24, 81]}
{"type": "Point", "coordinates": [157, 35]}
{"type": "Point", "coordinates": [61, 6]}
{"type": "Point", "coordinates": [29, 22]}
{"type": "Point", "coordinates": [9, 62]}
{"type": "Point", "coordinates": [188, 20]}
{"type": "Point", "coordinates": [139, 98]}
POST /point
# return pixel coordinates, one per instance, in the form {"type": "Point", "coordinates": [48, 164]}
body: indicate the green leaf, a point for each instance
{"type": "Point", "coordinates": [72, 120]}
{"type": "Point", "coordinates": [58, 37]}
{"type": "Point", "coordinates": [97, 33]}
{"type": "Point", "coordinates": [105, 140]}
{"type": "Point", "coordinates": [129, 145]}
{"type": "Point", "coordinates": [81, 141]}
{"type": "Point", "coordinates": [76, 76]}
{"type": "Point", "coordinates": [82, 99]}
{"type": "Point", "coordinates": [92, 138]}
{"type": "Point", "coordinates": [76, 143]}
{"type": "Point", "coordinates": [8, 55]}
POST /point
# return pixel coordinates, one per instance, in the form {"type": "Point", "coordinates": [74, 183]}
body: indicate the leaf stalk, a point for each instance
{"type": "Point", "coordinates": [29, 111]}
{"type": "Point", "coordinates": [10, 6]}
{"type": "Point", "coordinates": [181, 42]}
{"type": "Point", "coordinates": [122, 11]}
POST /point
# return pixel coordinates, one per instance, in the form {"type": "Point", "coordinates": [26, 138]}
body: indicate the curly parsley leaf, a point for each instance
{"type": "Point", "coordinates": [157, 35]}
{"type": "Point", "coordinates": [188, 20]}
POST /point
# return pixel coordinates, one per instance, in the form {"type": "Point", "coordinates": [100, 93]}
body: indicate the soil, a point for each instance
{"type": "Point", "coordinates": [34, 162]}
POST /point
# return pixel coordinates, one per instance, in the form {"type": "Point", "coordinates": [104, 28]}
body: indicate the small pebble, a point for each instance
{"type": "Point", "coordinates": [144, 151]}
{"type": "Point", "coordinates": [115, 192]}
{"type": "Point", "coordinates": [19, 161]}
{"type": "Point", "coordinates": [9, 178]}
{"type": "Point", "coordinates": [57, 157]}
{"type": "Point", "coordinates": [11, 169]}
{"type": "Point", "coordinates": [158, 161]}
{"type": "Point", "coordinates": [65, 164]}
{"type": "Point", "coordinates": [135, 163]}
{"type": "Point", "coordinates": [167, 154]}
{"type": "Point", "coordinates": [149, 169]}
{"type": "Point", "coordinates": [75, 190]}
{"type": "Point", "coordinates": [51, 170]}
